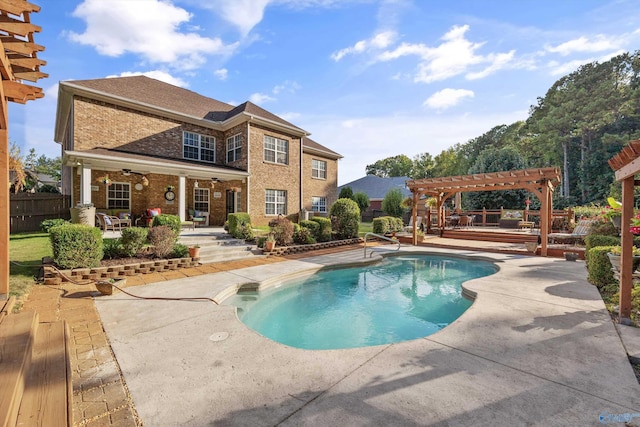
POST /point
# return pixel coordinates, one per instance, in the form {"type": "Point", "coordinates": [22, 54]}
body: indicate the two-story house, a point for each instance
{"type": "Point", "coordinates": [136, 143]}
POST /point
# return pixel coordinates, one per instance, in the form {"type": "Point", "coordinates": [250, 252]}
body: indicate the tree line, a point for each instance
{"type": "Point", "coordinates": [583, 120]}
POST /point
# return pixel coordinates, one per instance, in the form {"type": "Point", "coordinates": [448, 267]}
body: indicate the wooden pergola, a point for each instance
{"type": "Point", "coordinates": [18, 62]}
{"type": "Point", "coordinates": [626, 165]}
{"type": "Point", "coordinates": [539, 181]}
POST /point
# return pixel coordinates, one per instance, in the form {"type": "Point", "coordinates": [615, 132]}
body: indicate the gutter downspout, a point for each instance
{"type": "Point", "coordinates": [248, 195]}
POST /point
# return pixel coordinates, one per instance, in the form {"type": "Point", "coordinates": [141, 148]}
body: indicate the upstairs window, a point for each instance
{"type": "Point", "coordinates": [198, 147]}
{"type": "Point", "coordinates": [234, 148]}
{"type": "Point", "coordinates": [276, 150]}
{"type": "Point", "coordinates": [318, 169]}
{"type": "Point", "coordinates": [119, 196]}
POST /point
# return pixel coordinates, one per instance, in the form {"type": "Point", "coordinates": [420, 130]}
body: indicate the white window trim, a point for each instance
{"type": "Point", "coordinates": [128, 200]}
{"type": "Point", "coordinates": [199, 147]}
{"type": "Point", "coordinates": [205, 190]}
{"type": "Point", "coordinates": [316, 171]}
{"type": "Point", "coordinates": [275, 150]}
{"type": "Point", "coordinates": [325, 204]}
{"type": "Point", "coordinates": [275, 203]}
{"type": "Point", "coordinates": [236, 140]}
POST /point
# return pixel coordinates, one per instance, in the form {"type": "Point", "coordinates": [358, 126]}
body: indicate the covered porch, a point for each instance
{"type": "Point", "coordinates": [119, 182]}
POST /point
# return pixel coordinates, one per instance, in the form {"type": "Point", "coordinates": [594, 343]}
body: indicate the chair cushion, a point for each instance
{"type": "Point", "coordinates": [107, 220]}
{"type": "Point", "coordinates": [124, 215]}
{"type": "Point", "coordinates": [153, 212]}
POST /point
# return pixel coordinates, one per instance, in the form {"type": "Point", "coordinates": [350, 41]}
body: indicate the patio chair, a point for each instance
{"type": "Point", "coordinates": [113, 223]}
{"type": "Point", "coordinates": [409, 228]}
{"type": "Point", "coordinates": [578, 234]}
{"type": "Point", "coordinates": [198, 217]}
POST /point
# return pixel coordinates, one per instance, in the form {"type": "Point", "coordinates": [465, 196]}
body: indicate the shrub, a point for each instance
{"type": "Point", "coordinates": [179, 251]}
{"type": "Point", "coordinates": [362, 200]}
{"type": "Point", "coordinates": [260, 241]}
{"type": "Point", "coordinates": [396, 224]}
{"type": "Point", "coordinates": [282, 230]}
{"type": "Point", "coordinates": [47, 224]}
{"type": "Point", "coordinates": [171, 221]}
{"type": "Point", "coordinates": [604, 228]}
{"type": "Point", "coordinates": [76, 245]}
{"type": "Point", "coordinates": [345, 218]}
{"type": "Point", "coordinates": [163, 240]}
{"type": "Point", "coordinates": [312, 226]}
{"type": "Point", "coordinates": [133, 240]}
{"type": "Point", "coordinates": [599, 266]}
{"type": "Point", "coordinates": [392, 203]}
{"type": "Point", "coordinates": [303, 237]}
{"type": "Point", "coordinates": [111, 248]}
{"type": "Point", "coordinates": [594, 240]}
{"type": "Point", "coordinates": [324, 232]}
{"type": "Point", "coordinates": [381, 225]}
{"type": "Point", "coordinates": [245, 232]}
{"type": "Point", "coordinates": [236, 220]}
{"type": "Point", "coordinates": [346, 193]}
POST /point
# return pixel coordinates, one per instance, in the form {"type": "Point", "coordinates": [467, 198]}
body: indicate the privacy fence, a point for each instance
{"type": "Point", "coordinates": [28, 210]}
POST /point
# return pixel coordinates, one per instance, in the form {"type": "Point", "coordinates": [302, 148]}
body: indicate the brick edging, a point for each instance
{"type": "Point", "coordinates": [288, 250]}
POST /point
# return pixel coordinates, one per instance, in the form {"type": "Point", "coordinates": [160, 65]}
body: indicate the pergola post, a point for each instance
{"type": "Point", "coordinates": [4, 209]}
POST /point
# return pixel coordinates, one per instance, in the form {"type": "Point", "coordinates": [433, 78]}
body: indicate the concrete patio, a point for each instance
{"type": "Point", "coordinates": [536, 348]}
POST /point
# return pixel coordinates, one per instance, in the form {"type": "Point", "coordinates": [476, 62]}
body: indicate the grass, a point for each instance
{"type": "Point", "coordinates": [365, 227]}
{"type": "Point", "coordinates": [25, 252]}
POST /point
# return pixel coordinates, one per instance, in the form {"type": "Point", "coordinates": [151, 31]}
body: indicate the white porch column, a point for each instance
{"type": "Point", "coordinates": [182, 198]}
{"type": "Point", "coordinates": [85, 185]}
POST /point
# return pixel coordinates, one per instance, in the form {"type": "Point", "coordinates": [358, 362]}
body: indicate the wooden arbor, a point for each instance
{"type": "Point", "coordinates": [541, 182]}
{"type": "Point", "coordinates": [18, 62]}
{"type": "Point", "coordinates": [626, 165]}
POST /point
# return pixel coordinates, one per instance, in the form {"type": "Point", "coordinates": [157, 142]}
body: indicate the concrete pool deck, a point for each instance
{"type": "Point", "coordinates": [537, 347]}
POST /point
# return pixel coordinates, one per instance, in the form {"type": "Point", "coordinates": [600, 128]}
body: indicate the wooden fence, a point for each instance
{"type": "Point", "coordinates": [28, 210]}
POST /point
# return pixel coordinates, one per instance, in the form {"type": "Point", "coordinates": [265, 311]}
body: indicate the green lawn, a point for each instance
{"type": "Point", "coordinates": [365, 227]}
{"type": "Point", "coordinates": [25, 252]}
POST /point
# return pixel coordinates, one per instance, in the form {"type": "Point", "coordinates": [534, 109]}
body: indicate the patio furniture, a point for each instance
{"type": "Point", "coordinates": [148, 215]}
{"type": "Point", "coordinates": [199, 217]}
{"type": "Point", "coordinates": [578, 234]}
{"type": "Point", "coordinates": [526, 224]}
{"type": "Point", "coordinates": [110, 222]}
{"type": "Point", "coordinates": [409, 228]}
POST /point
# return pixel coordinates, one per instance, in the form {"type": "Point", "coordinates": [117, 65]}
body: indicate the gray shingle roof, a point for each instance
{"type": "Point", "coordinates": [376, 187]}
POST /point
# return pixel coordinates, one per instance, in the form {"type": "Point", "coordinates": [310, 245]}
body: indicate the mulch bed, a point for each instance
{"type": "Point", "coordinates": [127, 260]}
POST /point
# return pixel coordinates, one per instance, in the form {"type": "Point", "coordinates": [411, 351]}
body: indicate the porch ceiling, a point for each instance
{"type": "Point", "coordinates": [525, 178]}
{"type": "Point", "coordinates": [109, 160]}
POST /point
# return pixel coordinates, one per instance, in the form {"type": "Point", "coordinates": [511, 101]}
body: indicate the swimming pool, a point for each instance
{"type": "Point", "coordinates": [398, 299]}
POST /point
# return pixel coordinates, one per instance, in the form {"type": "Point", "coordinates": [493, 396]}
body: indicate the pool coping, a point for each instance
{"type": "Point", "coordinates": [508, 384]}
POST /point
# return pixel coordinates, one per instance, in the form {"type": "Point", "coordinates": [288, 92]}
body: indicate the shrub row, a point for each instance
{"type": "Point", "coordinates": [387, 224]}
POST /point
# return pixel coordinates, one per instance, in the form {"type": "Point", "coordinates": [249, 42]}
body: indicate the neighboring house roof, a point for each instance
{"type": "Point", "coordinates": [155, 94]}
{"type": "Point", "coordinates": [376, 188]}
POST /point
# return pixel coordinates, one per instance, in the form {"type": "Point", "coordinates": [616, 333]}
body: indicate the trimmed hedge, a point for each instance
{"type": "Point", "coordinates": [76, 245]}
{"type": "Point", "coordinates": [313, 226]}
{"type": "Point", "coordinates": [324, 232]}
{"type": "Point", "coordinates": [236, 220]}
{"type": "Point", "coordinates": [133, 239]}
{"type": "Point", "coordinates": [47, 224]}
{"type": "Point", "coordinates": [162, 239]}
{"type": "Point", "coordinates": [599, 266]}
{"type": "Point", "coordinates": [345, 218]}
{"type": "Point", "coordinates": [282, 230]}
{"type": "Point", "coordinates": [387, 224]}
{"type": "Point", "coordinates": [593, 240]}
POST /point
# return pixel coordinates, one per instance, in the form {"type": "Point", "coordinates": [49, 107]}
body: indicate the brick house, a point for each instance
{"type": "Point", "coordinates": [168, 147]}
{"type": "Point", "coordinates": [376, 188]}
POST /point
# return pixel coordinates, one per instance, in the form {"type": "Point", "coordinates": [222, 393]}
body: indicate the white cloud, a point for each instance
{"type": "Point", "coordinates": [455, 55]}
{"type": "Point", "coordinates": [381, 40]}
{"type": "Point", "coordinates": [149, 28]}
{"type": "Point", "coordinates": [447, 98]}
{"type": "Point", "coordinates": [291, 116]}
{"type": "Point", "coordinates": [244, 14]}
{"type": "Point", "coordinates": [260, 98]}
{"type": "Point", "coordinates": [597, 43]}
{"type": "Point", "coordinates": [163, 76]}
{"type": "Point", "coordinates": [221, 74]}
{"type": "Point", "coordinates": [287, 86]}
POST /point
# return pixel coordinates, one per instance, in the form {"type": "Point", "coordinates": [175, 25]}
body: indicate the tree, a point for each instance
{"type": "Point", "coordinates": [362, 200]}
{"type": "Point", "coordinates": [392, 203]}
{"type": "Point", "coordinates": [345, 218]}
{"type": "Point", "coordinates": [399, 165]}
{"type": "Point", "coordinates": [16, 165]}
{"type": "Point", "coordinates": [423, 166]}
{"type": "Point", "coordinates": [346, 193]}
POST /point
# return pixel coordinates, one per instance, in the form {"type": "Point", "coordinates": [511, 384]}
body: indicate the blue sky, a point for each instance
{"type": "Point", "coordinates": [367, 78]}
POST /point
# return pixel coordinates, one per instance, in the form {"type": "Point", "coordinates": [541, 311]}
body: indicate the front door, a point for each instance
{"type": "Point", "coordinates": [231, 202]}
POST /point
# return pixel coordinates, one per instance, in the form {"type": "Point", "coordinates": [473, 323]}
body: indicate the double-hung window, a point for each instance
{"type": "Point", "coordinates": [198, 147]}
{"type": "Point", "coordinates": [119, 196]}
{"type": "Point", "coordinates": [275, 202]}
{"type": "Point", "coordinates": [276, 150]}
{"type": "Point", "coordinates": [234, 148]}
{"type": "Point", "coordinates": [201, 199]}
{"type": "Point", "coordinates": [318, 169]}
{"type": "Point", "coordinates": [318, 204]}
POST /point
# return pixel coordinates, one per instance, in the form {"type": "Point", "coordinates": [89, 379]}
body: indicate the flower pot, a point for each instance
{"type": "Point", "coordinates": [194, 252]}
{"type": "Point", "coordinates": [615, 262]}
{"type": "Point", "coordinates": [571, 256]}
{"type": "Point", "coordinates": [617, 221]}
{"type": "Point", "coordinates": [83, 215]}
{"type": "Point", "coordinates": [269, 246]}
{"type": "Point", "coordinates": [531, 246]}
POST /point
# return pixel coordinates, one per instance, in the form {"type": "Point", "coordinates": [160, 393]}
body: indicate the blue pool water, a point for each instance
{"type": "Point", "coordinates": [401, 298]}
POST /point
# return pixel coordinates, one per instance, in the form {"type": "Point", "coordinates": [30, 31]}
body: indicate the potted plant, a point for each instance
{"type": "Point", "coordinates": [614, 257]}
{"type": "Point", "coordinates": [613, 212]}
{"type": "Point", "coordinates": [194, 251]}
{"type": "Point", "coordinates": [270, 243]}
{"type": "Point", "coordinates": [420, 236]}
{"type": "Point", "coordinates": [531, 246]}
